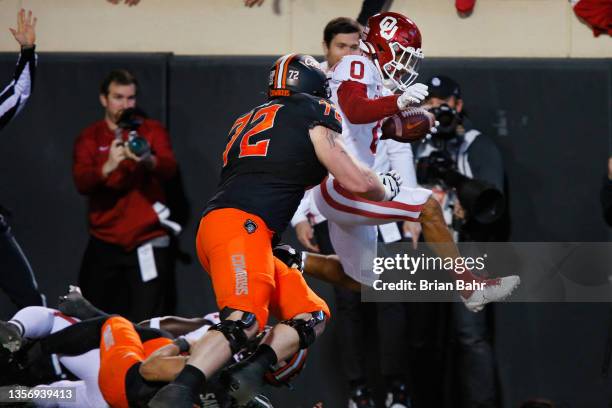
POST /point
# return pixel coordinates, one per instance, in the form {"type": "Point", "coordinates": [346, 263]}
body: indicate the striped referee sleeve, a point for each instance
{"type": "Point", "coordinates": [14, 97]}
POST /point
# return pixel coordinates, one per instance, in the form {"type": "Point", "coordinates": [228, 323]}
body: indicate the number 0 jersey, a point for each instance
{"type": "Point", "coordinates": [270, 160]}
{"type": "Point", "coordinates": [360, 139]}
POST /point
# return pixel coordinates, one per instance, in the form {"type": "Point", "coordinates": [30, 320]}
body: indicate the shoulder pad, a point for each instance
{"type": "Point", "coordinates": [325, 114]}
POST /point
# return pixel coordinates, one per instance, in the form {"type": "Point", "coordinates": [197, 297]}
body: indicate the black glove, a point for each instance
{"type": "Point", "coordinates": [289, 256]}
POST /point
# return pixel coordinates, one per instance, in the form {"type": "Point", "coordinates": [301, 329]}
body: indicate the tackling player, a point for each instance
{"type": "Point", "coordinates": [129, 365]}
{"type": "Point", "coordinates": [274, 153]}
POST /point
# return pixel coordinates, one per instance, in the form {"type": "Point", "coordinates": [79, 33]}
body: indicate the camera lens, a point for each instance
{"type": "Point", "coordinates": [139, 146]}
{"type": "Point", "coordinates": [445, 118]}
{"type": "Point", "coordinates": [444, 114]}
{"type": "Point", "coordinates": [448, 119]}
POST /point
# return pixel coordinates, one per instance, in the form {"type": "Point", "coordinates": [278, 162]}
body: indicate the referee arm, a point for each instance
{"type": "Point", "coordinates": [15, 95]}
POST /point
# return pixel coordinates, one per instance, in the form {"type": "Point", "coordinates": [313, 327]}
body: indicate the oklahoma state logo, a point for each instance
{"type": "Point", "coordinates": [240, 275]}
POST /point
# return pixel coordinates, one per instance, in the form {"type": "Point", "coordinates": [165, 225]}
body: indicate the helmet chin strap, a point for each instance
{"type": "Point", "coordinates": [363, 46]}
{"type": "Point", "coordinates": [387, 82]}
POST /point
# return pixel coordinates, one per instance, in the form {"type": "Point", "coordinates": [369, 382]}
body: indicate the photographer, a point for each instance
{"type": "Point", "coordinates": [464, 169]}
{"type": "Point", "coordinates": [120, 163]}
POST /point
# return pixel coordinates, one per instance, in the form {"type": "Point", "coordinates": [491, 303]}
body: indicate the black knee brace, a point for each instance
{"type": "Point", "coordinates": [306, 328]}
{"type": "Point", "coordinates": [234, 330]}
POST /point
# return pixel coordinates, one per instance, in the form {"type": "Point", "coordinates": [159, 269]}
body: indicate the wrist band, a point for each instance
{"type": "Point", "coordinates": [154, 323]}
{"type": "Point", "coordinates": [182, 344]}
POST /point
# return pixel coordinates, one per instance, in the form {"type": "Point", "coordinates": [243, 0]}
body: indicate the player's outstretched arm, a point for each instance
{"type": "Point", "coordinates": [176, 325]}
{"type": "Point", "coordinates": [349, 172]}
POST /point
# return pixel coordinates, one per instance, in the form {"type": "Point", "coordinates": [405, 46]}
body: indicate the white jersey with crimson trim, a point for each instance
{"type": "Point", "coordinates": [360, 139]}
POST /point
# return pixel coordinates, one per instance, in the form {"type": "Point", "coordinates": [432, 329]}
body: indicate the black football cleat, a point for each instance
{"type": "Point", "coordinates": [74, 304]}
{"type": "Point", "coordinates": [243, 381]}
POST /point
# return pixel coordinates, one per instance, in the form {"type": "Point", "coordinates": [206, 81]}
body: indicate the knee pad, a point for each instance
{"type": "Point", "coordinates": [234, 330]}
{"type": "Point", "coordinates": [306, 328]}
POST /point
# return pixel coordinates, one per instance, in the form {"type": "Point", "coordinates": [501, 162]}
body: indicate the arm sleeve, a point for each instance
{"type": "Point", "coordinates": [122, 178]}
{"type": "Point", "coordinates": [160, 145]}
{"type": "Point", "coordinates": [486, 162]}
{"type": "Point", "coordinates": [85, 171]}
{"type": "Point", "coordinates": [14, 97]}
{"type": "Point", "coordinates": [606, 200]}
{"type": "Point", "coordinates": [359, 109]}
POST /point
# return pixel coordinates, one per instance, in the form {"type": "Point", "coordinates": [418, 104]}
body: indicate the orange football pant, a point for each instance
{"type": "Point", "coordinates": [235, 248]}
{"type": "Point", "coordinates": [121, 348]}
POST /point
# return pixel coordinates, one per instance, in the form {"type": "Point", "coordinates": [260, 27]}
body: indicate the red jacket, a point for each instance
{"type": "Point", "coordinates": [120, 207]}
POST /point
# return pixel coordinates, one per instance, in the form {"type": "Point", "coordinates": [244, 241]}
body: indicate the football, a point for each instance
{"type": "Point", "coordinates": [408, 126]}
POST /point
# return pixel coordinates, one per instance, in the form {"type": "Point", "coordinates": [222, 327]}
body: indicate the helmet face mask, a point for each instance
{"type": "Point", "coordinates": [403, 68]}
{"type": "Point", "coordinates": [394, 43]}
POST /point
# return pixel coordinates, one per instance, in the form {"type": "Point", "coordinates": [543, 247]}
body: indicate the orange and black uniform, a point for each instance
{"type": "Point", "coordinates": [268, 163]}
{"type": "Point", "coordinates": [122, 351]}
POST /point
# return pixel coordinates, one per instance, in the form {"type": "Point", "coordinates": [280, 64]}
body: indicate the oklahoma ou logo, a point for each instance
{"type": "Point", "coordinates": [388, 27]}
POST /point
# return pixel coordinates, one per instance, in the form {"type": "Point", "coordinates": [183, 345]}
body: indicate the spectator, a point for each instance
{"type": "Point", "coordinates": [17, 277]}
{"type": "Point", "coordinates": [128, 253]}
{"type": "Point", "coordinates": [475, 156]}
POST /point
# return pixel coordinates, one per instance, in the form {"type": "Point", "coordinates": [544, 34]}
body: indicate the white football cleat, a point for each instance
{"type": "Point", "coordinates": [494, 290]}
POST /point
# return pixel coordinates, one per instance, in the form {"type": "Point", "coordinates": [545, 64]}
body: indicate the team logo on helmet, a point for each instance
{"type": "Point", "coordinates": [296, 73]}
{"type": "Point", "coordinates": [394, 42]}
{"type": "Point", "coordinates": [388, 27]}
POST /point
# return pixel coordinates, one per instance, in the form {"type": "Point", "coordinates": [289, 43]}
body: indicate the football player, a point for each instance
{"type": "Point", "coordinates": [274, 152]}
{"type": "Point", "coordinates": [391, 55]}
{"type": "Point", "coordinates": [341, 37]}
{"type": "Point", "coordinates": [131, 357]}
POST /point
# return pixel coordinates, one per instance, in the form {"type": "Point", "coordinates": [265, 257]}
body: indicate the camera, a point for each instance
{"type": "Point", "coordinates": [131, 119]}
{"type": "Point", "coordinates": [448, 117]}
{"type": "Point", "coordinates": [481, 200]}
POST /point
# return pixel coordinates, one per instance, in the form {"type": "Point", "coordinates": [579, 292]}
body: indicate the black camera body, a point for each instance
{"type": "Point", "coordinates": [481, 200]}
{"type": "Point", "coordinates": [131, 119]}
{"type": "Point", "coordinates": [448, 118]}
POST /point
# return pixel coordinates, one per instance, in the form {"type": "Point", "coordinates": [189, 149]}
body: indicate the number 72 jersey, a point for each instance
{"type": "Point", "coordinates": [269, 159]}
